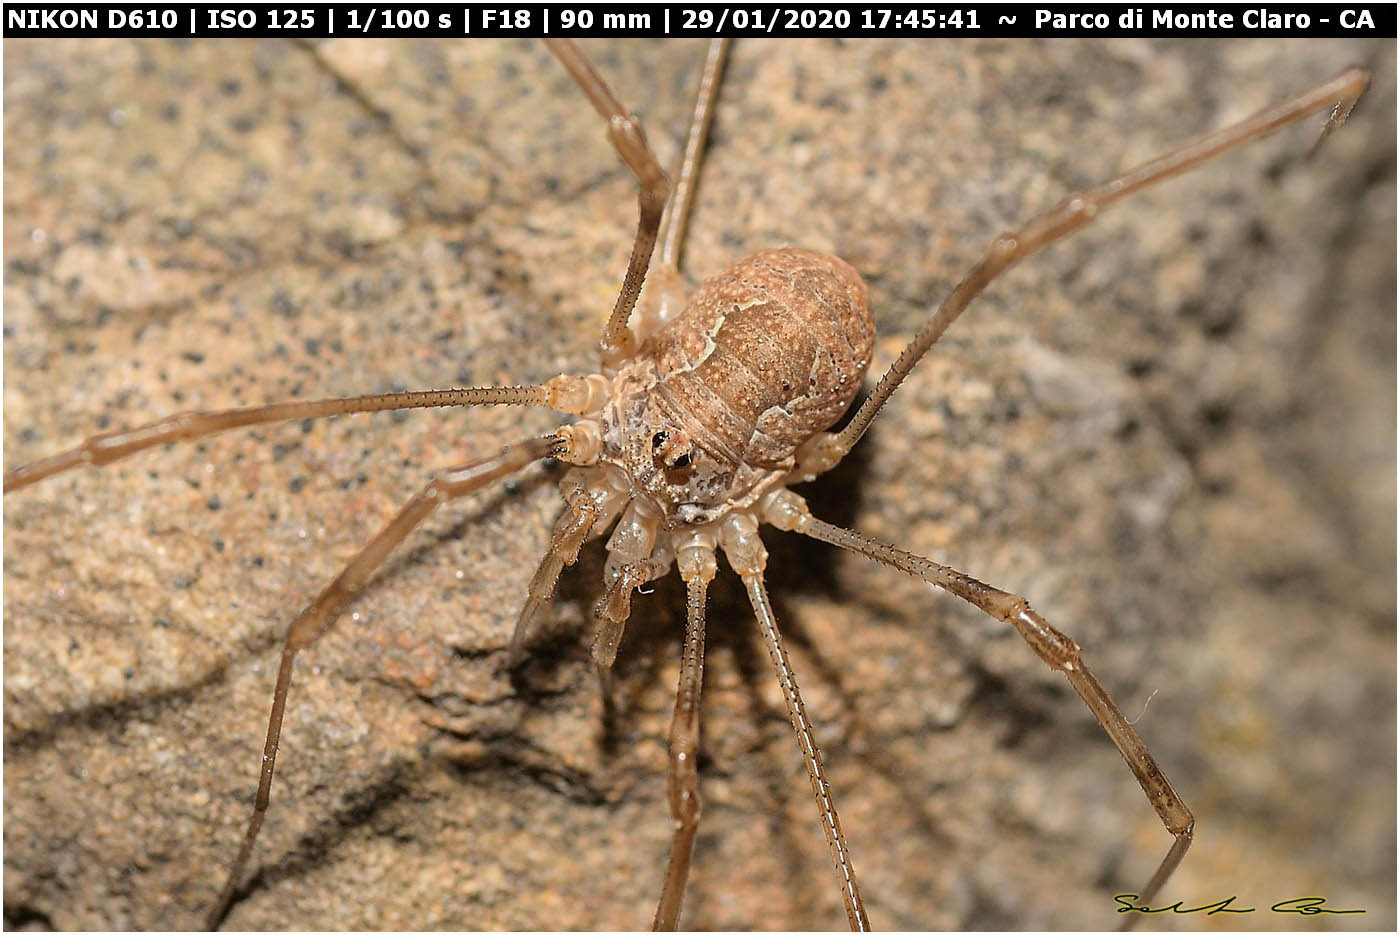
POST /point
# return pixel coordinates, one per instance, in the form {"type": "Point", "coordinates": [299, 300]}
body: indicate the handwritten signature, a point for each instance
{"type": "Point", "coordinates": [1302, 905]}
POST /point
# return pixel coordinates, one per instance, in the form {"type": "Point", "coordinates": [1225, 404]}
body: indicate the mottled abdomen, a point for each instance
{"type": "Point", "coordinates": [767, 353]}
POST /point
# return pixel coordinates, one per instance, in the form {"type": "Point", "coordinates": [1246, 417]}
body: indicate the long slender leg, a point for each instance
{"type": "Point", "coordinates": [1339, 95]}
{"type": "Point", "coordinates": [318, 616]}
{"type": "Point", "coordinates": [677, 219]}
{"type": "Point", "coordinates": [665, 289]}
{"type": "Point", "coordinates": [806, 739]}
{"type": "Point", "coordinates": [626, 135]}
{"type": "Point", "coordinates": [1057, 650]}
{"type": "Point", "coordinates": [747, 556]}
{"type": "Point", "coordinates": [366, 102]}
{"type": "Point", "coordinates": [683, 744]}
{"type": "Point", "coordinates": [578, 395]}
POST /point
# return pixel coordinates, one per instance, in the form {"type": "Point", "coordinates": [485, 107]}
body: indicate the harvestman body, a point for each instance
{"type": "Point", "coordinates": [687, 440]}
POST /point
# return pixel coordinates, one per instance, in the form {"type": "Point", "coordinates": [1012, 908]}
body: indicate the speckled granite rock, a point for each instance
{"type": "Point", "coordinates": [1175, 434]}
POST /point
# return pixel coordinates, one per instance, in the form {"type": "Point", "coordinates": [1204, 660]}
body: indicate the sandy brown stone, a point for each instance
{"type": "Point", "coordinates": [1175, 434]}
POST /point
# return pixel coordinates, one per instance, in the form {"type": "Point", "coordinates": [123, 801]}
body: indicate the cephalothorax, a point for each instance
{"type": "Point", "coordinates": [713, 409]}
{"type": "Point", "coordinates": [687, 441]}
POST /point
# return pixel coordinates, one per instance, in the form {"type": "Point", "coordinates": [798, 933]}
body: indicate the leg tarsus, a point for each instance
{"type": "Point", "coordinates": [318, 616]}
{"type": "Point", "coordinates": [1164, 872]}
{"type": "Point", "coordinates": [1358, 79]}
{"type": "Point", "coordinates": [1055, 648]}
{"type": "Point", "coordinates": [1339, 94]}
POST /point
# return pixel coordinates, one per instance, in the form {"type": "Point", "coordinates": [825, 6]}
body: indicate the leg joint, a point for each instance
{"type": "Point", "coordinates": [1058, 651]}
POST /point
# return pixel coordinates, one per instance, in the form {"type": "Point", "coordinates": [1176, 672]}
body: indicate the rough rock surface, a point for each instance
{"type": "Point", "coordinates": [1175, 434]}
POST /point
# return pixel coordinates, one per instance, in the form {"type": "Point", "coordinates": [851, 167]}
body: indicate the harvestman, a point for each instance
{"type": "Point", "coordinates": [687, 440]}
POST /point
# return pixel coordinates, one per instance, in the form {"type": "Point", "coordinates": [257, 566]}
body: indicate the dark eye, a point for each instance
{"type": "Point", "coordinates": [681, 462]}
{"type": "Point", "coordinates": [658, 439]}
